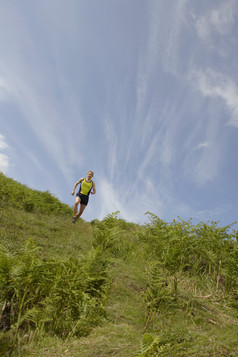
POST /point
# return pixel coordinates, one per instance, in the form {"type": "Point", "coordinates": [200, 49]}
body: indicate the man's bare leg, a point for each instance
{"type": "Point", "coordinates": [82, 208]}
{"type": "Point", "coordinates": [75, 208]}
{"type": "Point", "coordinates": [76, 203]}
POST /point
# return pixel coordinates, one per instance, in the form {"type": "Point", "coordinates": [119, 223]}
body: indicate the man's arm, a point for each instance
{"type": "Point", "coordinates": [75, 185]}
{"type": "Point", "coordinates": [93, 189]}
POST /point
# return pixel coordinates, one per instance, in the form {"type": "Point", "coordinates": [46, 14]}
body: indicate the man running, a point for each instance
{"type": "Point", "coordinates": [87, 186]}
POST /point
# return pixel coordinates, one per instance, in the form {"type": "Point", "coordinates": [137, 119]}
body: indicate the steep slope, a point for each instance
{"type": "Point", "coordinates": [112, 288]}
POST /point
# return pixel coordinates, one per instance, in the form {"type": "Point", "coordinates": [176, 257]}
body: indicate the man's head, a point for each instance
{"type": "Point", "coordinates": [90, 174]}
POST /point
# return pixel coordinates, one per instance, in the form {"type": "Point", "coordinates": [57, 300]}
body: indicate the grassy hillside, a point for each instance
{"type": "Point", "coordinates": [112, 288]}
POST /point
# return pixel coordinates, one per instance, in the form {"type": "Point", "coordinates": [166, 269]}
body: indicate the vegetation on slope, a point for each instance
{"type": "Point", "coordinates": [14, 194]}
{"type": "Point", "coordinates": [112, 288]}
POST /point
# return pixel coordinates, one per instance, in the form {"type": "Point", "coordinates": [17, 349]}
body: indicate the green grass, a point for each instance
{"type": "Point", "coordinates": [160, 290]}
{"type": "Point", "coordinates": [55, 234]}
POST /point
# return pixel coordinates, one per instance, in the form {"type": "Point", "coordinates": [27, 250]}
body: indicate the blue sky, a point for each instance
{"type": "Point", "coordinates": [142, 92]}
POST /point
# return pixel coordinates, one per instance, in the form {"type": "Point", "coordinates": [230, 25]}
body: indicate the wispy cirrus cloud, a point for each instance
{"type": "Point", "coordinates": [4, 90]}
{"type": "Point", "coordinates": [156, 122]}
{"type": "Point", "coordinates": [206, 168]}
{"type": "Point", "coordinates": [35, 83]}
{"type": "Point", "coordinates": [204, 144]}
{"type": "Point", "coordinates": [111, 200]}
{"type": "Point", "coordinates": [4, 158]}
{"type": "Point", "coordinates": [217, 85]}
{"type": "Point", "coordinates": [112, 142]}
{"type": "Point", "coordinates": [132, 203]}
{"type": "Point", "coordinates": [220, 19]}
{"type": "Point", "coordinates": [161, 48]}
{"type": "Point", "coordinates": [203, 158]}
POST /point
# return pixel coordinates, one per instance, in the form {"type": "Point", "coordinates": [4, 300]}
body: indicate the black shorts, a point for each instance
{"type": "Point", "coordinates": [83, 198]}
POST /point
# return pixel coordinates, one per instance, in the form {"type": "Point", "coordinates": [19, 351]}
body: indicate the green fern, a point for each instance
{"type": "Point", "coordinates": [65, 297]}
{"type": "Point", "coordinates": [196, 249]}
{"type": "Point", "coordinates": [170, 342]}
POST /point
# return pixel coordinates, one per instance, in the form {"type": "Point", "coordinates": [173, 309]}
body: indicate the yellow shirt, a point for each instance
{"type": "Point", "coordinates": [86, 187]}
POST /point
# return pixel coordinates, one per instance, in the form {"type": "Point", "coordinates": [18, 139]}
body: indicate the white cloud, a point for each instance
{"type": "Point", "coordinates": [161, 49]}
{"type": "Point", "coordinates": [219, 20]}
{"type": "Point", "coordinates": [4, 159]}
{"type": "Point", "coordinates": [148, 156]}
{"type": "Point", "coordinates": [217, 85]}
{"type": "Point", "coordinates": [3, 144]}
{"type": "Point", "coordinates": [112, 140]}
{"type": "Point", "coordinates": [206, 169]}
{"type": "Point", "coordinates": [112, 200]}
{"type": "Point", "coordinates": [133, 200]}
{"type": "Point", "coordinates": [155, 129]}
{"type": "Point", "coordinates": [34, 80]}
{"type": "Point", "coordinates": [202, 145]}
{"type": "Point", "coordinates": [204, 151]}
{"type": "Point", "coordinates": [4, 163]}
{"type": "Point", "coordinates": [202, 162]}
{"type": "Point", "coordinates": [4, 90]}
{"type": "Point", "coordinates": [175, 22]}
